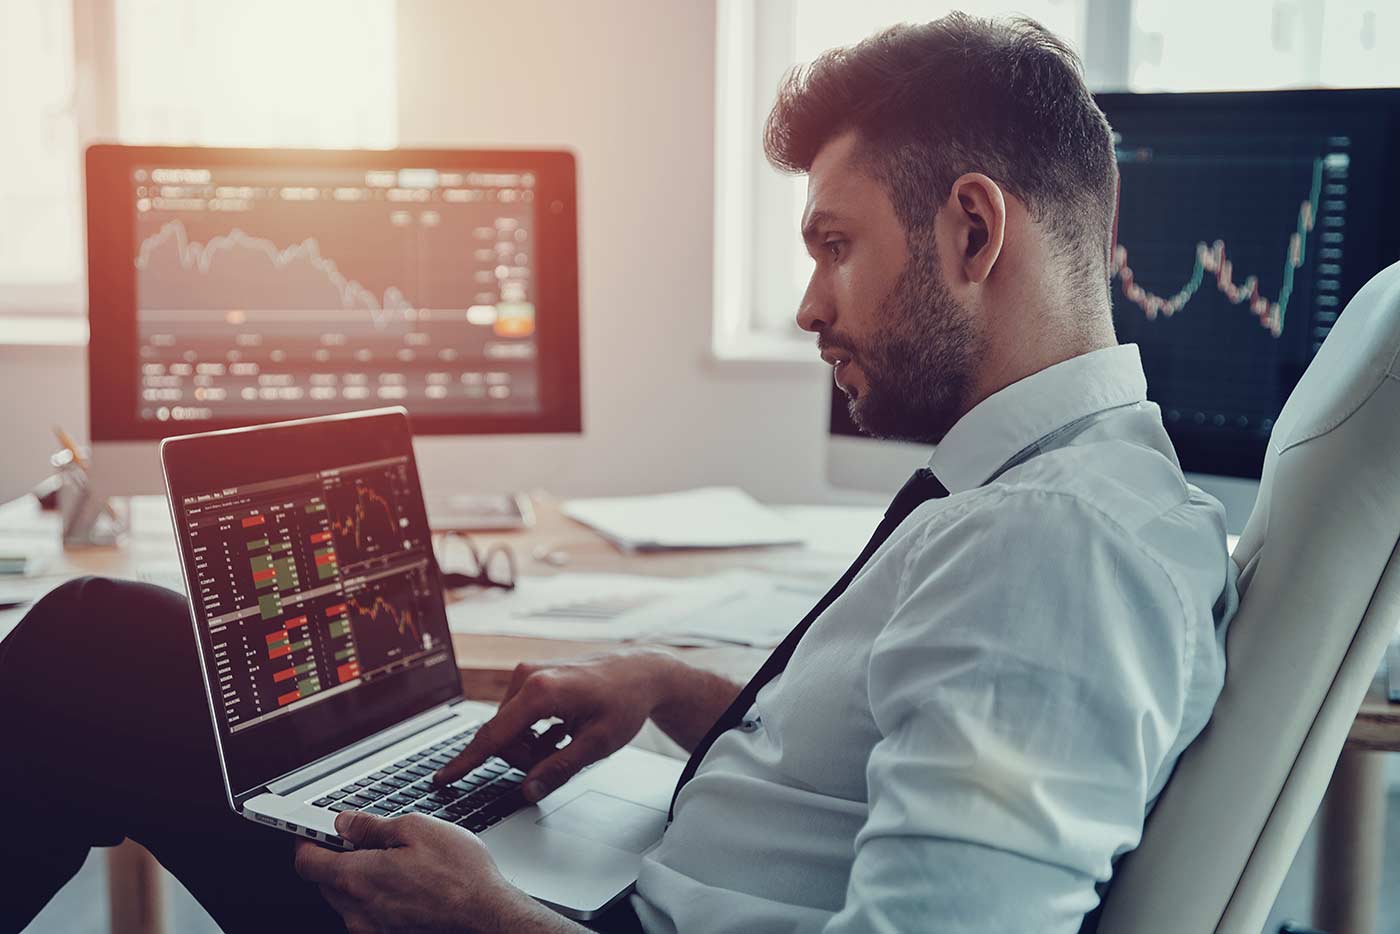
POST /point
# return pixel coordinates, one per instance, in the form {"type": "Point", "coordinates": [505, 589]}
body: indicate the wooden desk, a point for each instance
{"type": "Point", "coordinates": [486, 662]}
{"type": "Point", "coordinates": [1351, 821]}
{"type": "Point", "coordinates": [1377, 724]}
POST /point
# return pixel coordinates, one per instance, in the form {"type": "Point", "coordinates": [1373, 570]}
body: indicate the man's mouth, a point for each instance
{"type": "Point", "coordinates": [839, 361]}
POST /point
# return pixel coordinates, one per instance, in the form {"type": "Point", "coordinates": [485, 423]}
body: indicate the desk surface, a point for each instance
{"type": "Point", "coordinates": [486, 662]}
{"type": "Point", "coordinates": [1377, 724]}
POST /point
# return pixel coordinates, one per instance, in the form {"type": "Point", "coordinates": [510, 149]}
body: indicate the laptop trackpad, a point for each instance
{"type": "Point", "coordinates": [602, 818]}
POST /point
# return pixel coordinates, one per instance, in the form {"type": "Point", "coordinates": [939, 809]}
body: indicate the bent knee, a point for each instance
{"type": "Point", "coordinates": [88, 592]}
{"type": "Point", "coordinates": [85, 601]}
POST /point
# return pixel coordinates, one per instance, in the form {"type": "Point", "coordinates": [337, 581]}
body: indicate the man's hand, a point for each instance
{"type": "Point", "coordinates": [603, 702]}
{"type": "Point", "coordinates": [417, 874]}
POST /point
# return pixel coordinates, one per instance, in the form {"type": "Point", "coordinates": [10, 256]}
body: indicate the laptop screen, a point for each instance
{"type": "Point", "coordinates": [313, 586]}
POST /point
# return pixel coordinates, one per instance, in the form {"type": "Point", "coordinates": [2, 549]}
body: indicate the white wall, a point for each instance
{"type": "Point", "coordinates": [629, 86]}
{"type": "Point", "coordinates": [39, 387]}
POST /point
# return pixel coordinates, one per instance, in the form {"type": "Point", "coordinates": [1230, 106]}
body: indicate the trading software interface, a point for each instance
{"type": "Point", "coordinates": [263, 290]}
{"type": "Point", "coordinates": [312, 585]}
{"type": "Point", "coordinates": [1231, 263]}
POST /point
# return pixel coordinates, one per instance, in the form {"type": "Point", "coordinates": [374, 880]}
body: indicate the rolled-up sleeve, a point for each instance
{"type": "Point", "coordinates": [1026, 691]}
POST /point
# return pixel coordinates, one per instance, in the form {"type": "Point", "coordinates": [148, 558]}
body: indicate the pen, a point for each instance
{"type": "Point", "coordinates": [72, 448]}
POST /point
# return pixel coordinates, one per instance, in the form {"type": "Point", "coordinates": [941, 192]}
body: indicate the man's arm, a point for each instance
{"type": "Point", "coordinates": [694, 700]}
{"type": "Point", "coordinates": [603, 701]}
{"type": "Point", "coordinates": [421, 874]}
{"type": "Point", "coordinates": [1028, 690]}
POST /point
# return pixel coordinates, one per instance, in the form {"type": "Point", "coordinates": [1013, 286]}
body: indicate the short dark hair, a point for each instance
{"type": "Point", "coordinates": [933, 101]}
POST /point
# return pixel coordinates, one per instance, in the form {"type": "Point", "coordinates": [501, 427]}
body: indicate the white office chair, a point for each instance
{"type": "Point", "coordinates": [1320, 597]}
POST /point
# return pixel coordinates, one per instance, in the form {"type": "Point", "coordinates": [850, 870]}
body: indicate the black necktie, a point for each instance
{"type": "Point", "coordinates": [922, 486]}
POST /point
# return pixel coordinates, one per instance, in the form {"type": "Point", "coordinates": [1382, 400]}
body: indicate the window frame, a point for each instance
{"type": "Point", "coordinates": [94, 109]}
{"type": "Point", "coordinates": [751, 217]}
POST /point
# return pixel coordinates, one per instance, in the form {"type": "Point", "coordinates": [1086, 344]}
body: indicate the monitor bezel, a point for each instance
{"type": "Point", "coordinates": [1244, 457]}
{"type": "Point", "coordinates": [112, 365]}
{"type": "Point", "coordinates": [210, 461]}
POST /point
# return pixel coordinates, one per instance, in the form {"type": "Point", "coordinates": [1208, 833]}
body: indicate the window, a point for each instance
{"type": "Point", "coordinates": [761, 268]}
{"type": "Point", "coordinates": [314, 73]}
{"type": "Point", "coordinates": [317, 73]}
{"type": "Point", "coordinates": [1203, 45]}
{"type": "Point", "coordinates": [41, 237]}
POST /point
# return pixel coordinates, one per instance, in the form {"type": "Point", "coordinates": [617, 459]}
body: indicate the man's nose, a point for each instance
{"type": "Point", "coordinates": [813, 314]}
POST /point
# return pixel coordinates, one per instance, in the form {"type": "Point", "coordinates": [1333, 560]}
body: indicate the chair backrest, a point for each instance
{"type": "Point", "coordinates": [1319, 600]}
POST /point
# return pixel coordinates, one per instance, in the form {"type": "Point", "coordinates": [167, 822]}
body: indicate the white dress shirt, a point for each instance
{"type": "Point", "coordinates": [975, 730]}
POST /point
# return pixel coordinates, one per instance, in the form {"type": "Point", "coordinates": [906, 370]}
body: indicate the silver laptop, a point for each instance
{"type": "Point", "coordinates": [318, 609]}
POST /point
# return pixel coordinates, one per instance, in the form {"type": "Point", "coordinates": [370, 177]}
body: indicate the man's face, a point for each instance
{"type": "Point", "coordinates": [902, 349]}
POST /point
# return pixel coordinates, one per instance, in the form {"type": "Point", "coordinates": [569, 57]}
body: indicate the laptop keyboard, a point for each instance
{"type": "Point", "coordinates": [480, 799]}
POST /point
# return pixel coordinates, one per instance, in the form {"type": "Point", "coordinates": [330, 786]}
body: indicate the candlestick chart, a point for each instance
{"type": "Point", "coordinates": [1212, 259]}
{"type": "Point", "coordinates": [1228, 271]}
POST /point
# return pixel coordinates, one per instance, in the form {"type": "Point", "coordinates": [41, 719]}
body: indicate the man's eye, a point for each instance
{"type": "Point", "coordinates": [834, 247]}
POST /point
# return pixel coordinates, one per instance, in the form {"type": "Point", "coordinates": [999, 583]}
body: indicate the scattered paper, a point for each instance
{"type": "Point", "coordinates": [710, 517]}
{"type": "Point", "coordinates": [739, 607]}
{"type": "Point", "coordinates": [19, 591]}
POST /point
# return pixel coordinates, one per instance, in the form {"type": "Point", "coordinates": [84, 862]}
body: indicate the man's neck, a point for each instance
{"type": "Point", "coordinates": [1024, 352]}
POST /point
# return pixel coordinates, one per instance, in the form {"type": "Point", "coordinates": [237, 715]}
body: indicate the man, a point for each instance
{"type": "Point", "coordinates": [967, 733]}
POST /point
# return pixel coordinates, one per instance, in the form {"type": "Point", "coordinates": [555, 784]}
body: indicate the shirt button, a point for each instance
{"type": "Point", "coordinates": [749, 726]}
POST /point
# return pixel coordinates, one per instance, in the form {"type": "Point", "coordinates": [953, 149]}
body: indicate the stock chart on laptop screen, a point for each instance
{"type": "Point", "coordinates": [311, 586]}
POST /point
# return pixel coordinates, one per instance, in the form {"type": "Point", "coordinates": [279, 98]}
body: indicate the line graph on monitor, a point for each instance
{"type": "Point", "coordinates": [314, 298]}
{"type": "Point", "coordinates": [325, 279]}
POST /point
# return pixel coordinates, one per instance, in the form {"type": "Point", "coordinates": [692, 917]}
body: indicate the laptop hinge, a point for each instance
{"type": "Point", "coordinates": [363, 749]}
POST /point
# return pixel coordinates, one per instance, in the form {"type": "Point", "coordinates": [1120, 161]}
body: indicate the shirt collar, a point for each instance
{"type": "Point", "coordinates": [1011, 419]}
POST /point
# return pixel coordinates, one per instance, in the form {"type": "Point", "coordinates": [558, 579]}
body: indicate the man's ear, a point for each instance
{"type": "Point", "coordinates": [977, 211]}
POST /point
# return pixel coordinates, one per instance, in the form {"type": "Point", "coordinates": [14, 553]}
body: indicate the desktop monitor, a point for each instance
{"type": "Point", "coordinates": [234, 286]}
{"type": "Point", "coordinates": [1246, 221]}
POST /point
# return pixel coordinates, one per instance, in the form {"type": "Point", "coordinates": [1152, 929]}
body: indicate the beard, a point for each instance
{"type": "Point", "coordinates": [918, 368]}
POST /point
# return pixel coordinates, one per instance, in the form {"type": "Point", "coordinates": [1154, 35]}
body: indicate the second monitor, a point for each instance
{"type": "Point", "coordinates": [1246, 221]}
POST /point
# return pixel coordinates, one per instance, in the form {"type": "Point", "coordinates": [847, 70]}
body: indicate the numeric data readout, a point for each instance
{"type": "Point", "coordinates": [312, 585]}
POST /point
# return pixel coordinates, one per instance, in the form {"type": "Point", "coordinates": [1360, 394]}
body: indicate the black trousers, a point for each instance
{"type": "Point", "coordinates": [105, 735]}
